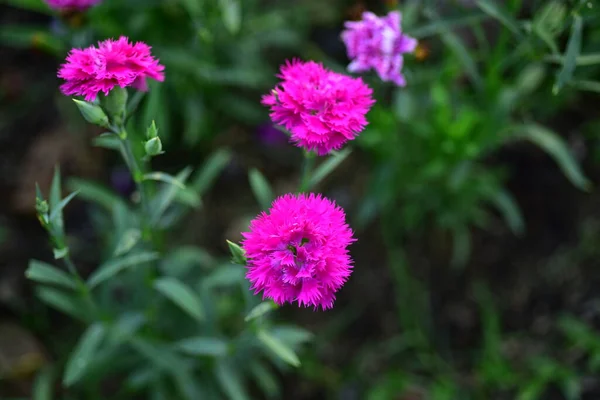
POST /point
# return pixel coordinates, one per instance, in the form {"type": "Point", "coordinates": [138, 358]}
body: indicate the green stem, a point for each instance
{"type": "Point", "coordinates": [83, 287]}
{"type": "Point", "coordinates": [138, 178]}
{"type": "Point", "coordinates": [307, 167]}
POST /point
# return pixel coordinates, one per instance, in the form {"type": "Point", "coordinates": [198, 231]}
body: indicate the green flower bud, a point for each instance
{"type": "Point", "coordinates": [153, 147]}
{"type": "Point", "coordinates": [152, 131]}
{"type": "Point", "coordinates": [115, 104]}
{"type": "Point", "coordinates": [237, 253]}
{"type": "Point", "coordinates": [92, 113]}
{"type": "Point", "coordinates": [41, 206]}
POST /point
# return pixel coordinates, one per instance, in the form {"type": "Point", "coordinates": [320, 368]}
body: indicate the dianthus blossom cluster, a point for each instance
{"type": "Point", "coordinates": [321, 109]}
{"type": "Point", "coordinates": [378, 43]}
{"type": "Point", "coordinates": [298, 251]}
{"type": "Point", "coordinates": [113, 63]}
{"type": "Point", "coordinates": [72, 4]}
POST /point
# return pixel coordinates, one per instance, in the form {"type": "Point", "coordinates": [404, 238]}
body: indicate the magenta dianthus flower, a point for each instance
{"type": "Point", "coordinates": [298, 251]}
{"type": "Point", "coordinates": [378, 43]}
{"type": "Point", "coordinates": [113, 63]}
{"type": "Point", "coordinates": [72, 4]}
{"type": "Point", "coordinates": [322, 109]}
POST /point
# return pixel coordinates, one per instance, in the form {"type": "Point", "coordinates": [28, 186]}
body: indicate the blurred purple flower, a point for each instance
{"type": "Point", "coordinates": [268, 134]}
{"type": "Point", "coordinates": [121, 181]}
{"type": "Point", "coordinates": [378, 43]}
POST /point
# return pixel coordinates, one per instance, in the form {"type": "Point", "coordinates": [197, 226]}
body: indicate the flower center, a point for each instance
{"type": "Point", "coordinates": [293, 248]}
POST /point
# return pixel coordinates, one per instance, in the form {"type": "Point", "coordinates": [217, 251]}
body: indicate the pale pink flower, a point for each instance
{"type": "Point", "coordinates": [113, 63]}
{"type": "Point", "coordinates": [298, 251]}
{"type": "Point", "coordinates": [322, 109]}
{"type": "Point", "coordinates": [378, 43]}
{"type": "Point", "coordinates": [72, 4]}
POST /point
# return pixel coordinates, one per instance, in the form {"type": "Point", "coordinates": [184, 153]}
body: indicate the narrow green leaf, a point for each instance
{"type": "Point", "coordinates": [159, 355]}
{"type": "Point", "coordinates": [456, 46]}
{"type": "Point", "coordinates": [164, 177]}
{"type": "Point", "coordinates": [224, 276]}
{"type": "Point", "coordinates": [260, 310]}
{"type": "Point", "coordinates": [280, 349]}
{"type": "Point", "coordinates": [261, 188]}
{"type": "Point", "coordinates": [206, 176]}
{"type": "Point", "coordinates": [32, 5]}
{"type": "Point", "coordinates": [42, 387]}
{"type": "Point", "coordinates": [128, 240]}
{"type": "Point", "coordinates": [181, 295]}
{"type": "Point", "coordinates": [203, 346]}
{"type": "Point", "coordinates": [440, 26]}
{"type": "Point", "coordinates": [113, 267]}
{"type": "Point", "coordinates": [84, 353]}
{"type": "Point", "coordinates": [581, 60]}
{"type": "Point", "coordinates": [553, 144]}
{"type": "Point", "coordinates": [497, 11]}
{"type": "Point", "coordinates": [507, 205]}
{"type": "Point", "coordinates": [588, 86]}
{"type": "Point", "coordinates": [573, 50]}
{"type": "Point", "coordinates": [193, 7]}
{"type": "Point", "coordinates": [95, 193]}
{"type": "Point", "coordinates": [107, 140]}
{"type": "Point", "coordinates": [45, 273]}
{"type": "Point", "coordinates": [230, 381]}
{"type": "Point", "coordinates": [167, 194]}
{"type": "Point", "coordinates": [54, 199]}
{"type": "Point", "coordinates": [265, 380]}
{"type": "Point", "coordinates": [237, 253]}
{"type": "Point", "coordinates": [329, 166]}
{"type": "Point", "coordinates": [67, 303]}
{"type": "Point", "coordinates": [30, 37]}
{"type": "Point", "coordinates": [56, 212]}
{"type": "Point", "coordinates": [231, 12]}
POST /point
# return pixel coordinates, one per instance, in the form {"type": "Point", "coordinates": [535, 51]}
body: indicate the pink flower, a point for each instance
{"type": "Point", "coordinates": [298, 251]}
{"type": "Point", "coordinates": [113, 63]}
{"type": "Point", "coordinates": [321, 109]}
{"type": "Point", "coordinates": [378, 43]}
{"type": "Point", "coordinates": [72, 4]}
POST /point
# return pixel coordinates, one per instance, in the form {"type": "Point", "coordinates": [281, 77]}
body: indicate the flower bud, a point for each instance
{"type": "Point", "coordinates": [153, 147]}
{"type": "Point", "coordinates": [92, 113]}
{"type": "Point", "coordinates": [115, 104]}
{"type": "Point", "coordinates": [41, 206]}
{"type": "Point", "coordinates": [237, 253]}
{"type": "Point", "coordinates": [152, 131]}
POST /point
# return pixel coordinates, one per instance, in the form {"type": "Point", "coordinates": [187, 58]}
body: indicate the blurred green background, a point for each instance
{"type": "Point", "coordinates": [472, 193]}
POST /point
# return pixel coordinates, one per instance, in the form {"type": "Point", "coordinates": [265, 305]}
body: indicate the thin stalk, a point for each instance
{"type": "Point", "coordinates": [307, 167]}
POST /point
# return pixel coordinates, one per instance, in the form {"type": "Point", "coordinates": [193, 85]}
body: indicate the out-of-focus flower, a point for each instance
{"type": "Point", "coordinates": [71, 4]}
{"type": "Point", "coordinates": [270, 135]}
{"type": "Point", "coordinates": [298, 251]}
{"type": "Point", "coordinates": [378, 43]}
{"type": "Point", "coordinates": [322, 109]}
{"type": "Point", "coordinates": [113, 63]}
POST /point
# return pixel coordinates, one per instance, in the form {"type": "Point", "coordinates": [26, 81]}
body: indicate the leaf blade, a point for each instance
{"type": "Point", "coordinates": [181, 295]}
{"type": "Point", "coordinates": [113, 267]}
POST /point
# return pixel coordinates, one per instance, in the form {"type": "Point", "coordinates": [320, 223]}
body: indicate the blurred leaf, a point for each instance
{"type": "Point", "coordinates": [497, 11]}
{"type": "Point", "coordinates": [280, 349]}
{"type": "Point", "coordinates": [328, 166]}
{"type": "Point", "coordinates": [203, 346]}
{"type": "Point", "coordinates": [166, 195]}
{"type": "Point", "coordinates": [440, 26]}
{"type": "Point", "coordinates": [164, 177]}
{"type": "Point", "coordinates": [126, 327]}
{"type": "Point", "coordinates": [96, 193]}
{"type": "Point", "coordinates": [206, 176]}
{"type": "Point", "coordinates": [456, 46]}
{"type": "Point", "coordinates": [510, 211]}
{"type": "Point", "coordinates": [84, 354]}
{"type": "Point", "coordinates": [69, 304]}
{"type": "Point", "coordinates": [113, 267]}
{"type": "Point", "coordinates": [261, 188]}
{"type": "Point", "coordinates": [193, 7]}
{"type": "Point", "coordinates": [30, 37]}
{"type": "Point", "coordinates": [45, 273]}
{"type": "Point", "coordinates": [573, 50]}
{"type": "Point", "coordinates": [159, 355]}
{"type": "Point", "coordinates": [33, 5]}
{"type": "Point", "coordinates": [265, 380]}
{"type": "Point", "coordinates": [195, 113]}
{"type": "Point", "coordinates": [181, 260]}
{"type": "Point", "coordinates": [293, 336]}
{"type": "Point", "coordinates": [181, 295]}
{"type": "Point", "coordinates": [552, 144]}
{"type": "Point", "coordinates": [107, 140]}
{"type": "Point", "coordinates": [127, 241]}
{"type": "Point", "coordinates": [581, 60]}
{"type": "Point", "coordinates": [224, 276]}
{"type": "Point", "coordinates": [230, 381]}
{"type": "Point", "coordinates": [54, 200]}
{"type": "Point", "coordinates": [588, 86]}
{"type": "Point", "coordinates": [261, 309]}
{"type": "Point", "coordinates": [43, 385]}
{"type": "Point", "coordinates": [231, 12]}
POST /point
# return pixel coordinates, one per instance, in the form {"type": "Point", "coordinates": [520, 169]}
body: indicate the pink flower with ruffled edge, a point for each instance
{"type": "Point", "coordinates": [72, 4]}
{"type": "Point", "coordinates": [378, 43]}
{"type": "Point", "coordinates": [298, 251]}
{"type": "Point", "coordinates": [322, 109]}
{"type": "Point", "coordinates": [113, 63]}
